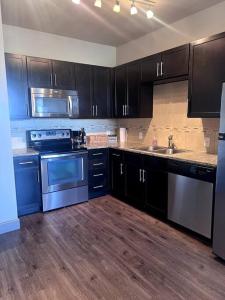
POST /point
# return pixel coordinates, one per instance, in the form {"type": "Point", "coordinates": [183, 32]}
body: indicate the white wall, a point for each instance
{"type": "Point", "coordinates": [207, 22]}
{"type": "Point", "coordinates": [35, 43]}
{"type": "Point", "coordinates": [8, 208]}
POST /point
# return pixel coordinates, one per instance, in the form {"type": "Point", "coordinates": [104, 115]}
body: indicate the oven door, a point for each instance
{"type": "Point", "coordinates": [50, 103]}
{"type": "Point", "coordinates": [64, 171]}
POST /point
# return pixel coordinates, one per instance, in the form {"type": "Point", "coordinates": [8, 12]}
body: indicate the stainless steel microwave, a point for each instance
{"type": "Point", "coordinates": [52, 103]}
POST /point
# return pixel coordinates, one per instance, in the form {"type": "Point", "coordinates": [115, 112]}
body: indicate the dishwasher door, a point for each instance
{"type": "Point", "coordinates": [190, 203]}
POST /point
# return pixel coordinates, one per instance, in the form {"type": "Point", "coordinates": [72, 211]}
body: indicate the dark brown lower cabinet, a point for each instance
{"type": "Point", "coordinates": [117, 173]}
{"type": "Point", "coordinates": [140, 180]}
{"type": "Point", "coordinates": [134, 185]}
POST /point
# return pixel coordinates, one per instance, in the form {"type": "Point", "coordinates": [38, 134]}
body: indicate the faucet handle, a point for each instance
{"type": "Point", "coordinates": [170, 137]}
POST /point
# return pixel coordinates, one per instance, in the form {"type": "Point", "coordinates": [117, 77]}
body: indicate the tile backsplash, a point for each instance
{"type": "Point", "coordinates": [18, 128]}
{"type": "Point", "coordinates": [170, 117]}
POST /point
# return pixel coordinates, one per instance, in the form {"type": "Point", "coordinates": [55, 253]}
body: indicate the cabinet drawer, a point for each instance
{"type": "Point", "coordinates": [97, 154]}
{"type": "Point", "coordinates": [100, 188]}
{"type": "Point", "coordinates": [26, 162]}
{"type": "Point", "coordinates": [116, 154]}
{"type": "Point", "coordinates": [97, 177]}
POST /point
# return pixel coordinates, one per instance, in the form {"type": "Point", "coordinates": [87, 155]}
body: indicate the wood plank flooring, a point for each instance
{"type": "Point", "coordinates": [105, 249]}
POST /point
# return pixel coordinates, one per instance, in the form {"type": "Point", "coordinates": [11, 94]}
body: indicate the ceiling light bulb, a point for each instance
{"type": "Point", "coordinates": [116, 7]}
{"type": "Point", "coordinates": [133, 9]}
{"type": "Point", "coordinates": [76, 1]}
{"type": "Point", "coordinates": [98, 3]}
{"type": "Point", "coordinates": [149, 14]}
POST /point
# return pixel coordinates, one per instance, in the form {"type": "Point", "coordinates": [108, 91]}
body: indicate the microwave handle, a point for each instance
{"type": "Point", "coordinates": [70, 107]}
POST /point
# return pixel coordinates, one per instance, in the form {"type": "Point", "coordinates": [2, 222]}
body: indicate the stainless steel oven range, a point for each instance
{"type": "Point", "coordinates": [64, 168]}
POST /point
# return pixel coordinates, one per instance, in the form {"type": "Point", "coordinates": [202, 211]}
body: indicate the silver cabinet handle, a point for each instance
{"type": "Point", "coordinates": [127, 110]}
{"type": "Point", "coordinates": [93, 110]}
{"type": "Point", "coordinates": [97, 154]}
{"type": "Point", "coordinates": [96, 110]}
{"type": "Point", "coordinates": [157, 69]}
{"type": "Point", "coordinates": [140, 175]}
{"type": "Point", "coordinates": [26, 163]}
{"type": "Point", "coordinates": [121, 169]}
{"type": "Point", "coordinates": [123, 110]}
{"type": "Point", "coordinates": [99, 164]}
{"type": "Point", "coordinates": [98, 187]}
{"type": "Point", "coordinates": [98, 175]}
{"type": "Point", "coordinates": [117, 155]}
{"type": "Point", "coordinates": [51, 80]}
{"type": "Point", "coordinates": [143, 176]}
{"type": "Point", "coordinates": [55, 76]}
{"type": "Point", "coordinates": [28, 110]}
{"type": "Point", "coordinates": [38, 176]}
{"type": "Point", "coordinates": [161, 68]}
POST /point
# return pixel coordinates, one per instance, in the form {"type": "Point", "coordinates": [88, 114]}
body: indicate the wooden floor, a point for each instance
{"type": "Point", "coordinates": [105, 249]}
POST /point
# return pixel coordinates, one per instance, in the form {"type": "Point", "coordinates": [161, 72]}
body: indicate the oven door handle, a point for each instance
{"type": "Point", "coordinates": [47, 156]}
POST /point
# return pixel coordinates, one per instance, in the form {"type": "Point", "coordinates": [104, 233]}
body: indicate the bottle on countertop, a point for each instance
{"type": "Point", "coordinates": [83, 136]}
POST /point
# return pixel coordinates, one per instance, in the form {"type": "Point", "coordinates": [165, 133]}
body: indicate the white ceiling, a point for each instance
{"type": "Point", "coordinates": [87, 22]}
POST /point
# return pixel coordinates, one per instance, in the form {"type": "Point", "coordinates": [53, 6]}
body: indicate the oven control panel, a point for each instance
{"type": "Point", "coordinates": [51, 134]}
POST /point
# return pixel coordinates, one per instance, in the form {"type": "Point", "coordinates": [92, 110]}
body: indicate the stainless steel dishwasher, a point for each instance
{"type": "Point", "coordinates": [190, 196]}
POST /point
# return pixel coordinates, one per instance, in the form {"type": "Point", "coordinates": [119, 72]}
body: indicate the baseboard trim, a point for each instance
{"type": "Point", "coordinates": [9, 226]}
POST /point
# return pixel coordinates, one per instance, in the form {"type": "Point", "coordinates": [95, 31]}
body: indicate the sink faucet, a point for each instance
{"type": "Point", "coordinates": [170, 142]}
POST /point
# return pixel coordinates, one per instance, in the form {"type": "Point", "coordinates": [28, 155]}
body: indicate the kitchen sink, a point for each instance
{"type": "Point", "coordinates": [150, 148]}
{"type": "Point", "coordinates": [160, 150]}
{"type": "Point", "coordinates": [170, 151]}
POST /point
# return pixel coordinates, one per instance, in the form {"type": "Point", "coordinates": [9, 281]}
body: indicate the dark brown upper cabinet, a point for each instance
{"type": "Point", "coordinates": [84, 89]}
{"type": "Point", "coordinates": [63, 75]}
{"type": "Point", "coordinates": [207, 72]}
{"type": "Point", "coordinates": [150, 68]}
{"type": "Point", "coordinates": [39, 72]}
{"type": "Point", "coordinates": [46, 73]}
{"type": "Point", "coordinates": [120, 91]}
{"type": "Point", "coordinates": [175, 62]}
{"type": "Point", "coordinates": [93, 84]}
{"type": "Point", "coordinates": [133, 89]}
{"type": "Point", "coordinates": [16, 73]}
{"type": "Point", "coordinates": [133, 98]}
{"type": "Point", "coordinates": [170, 64]}
{"type": "Point", "coordinates": [101, 92]}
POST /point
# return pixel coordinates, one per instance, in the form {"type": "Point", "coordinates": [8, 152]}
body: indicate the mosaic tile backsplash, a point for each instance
{"type": "Point", "coordinates": [170, 117]}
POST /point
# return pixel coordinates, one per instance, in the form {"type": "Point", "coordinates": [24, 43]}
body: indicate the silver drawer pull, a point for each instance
{"type": "Point", "coordinates": [97, 154]}
{"type": "Point", "coordinates": [97, 175]}
{"type": "Point", "coordinates": [117, 155]}
{"type": "Point", "coordinates": [26, 163]}
{"type": "Point", "coordinates": [99, 164]}
{"type": "Point", "coordinates": [98, 187]}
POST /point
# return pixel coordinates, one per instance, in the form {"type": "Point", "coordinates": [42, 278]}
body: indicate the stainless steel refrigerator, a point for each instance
{"type": "Point", "coordinates": [219, 212]}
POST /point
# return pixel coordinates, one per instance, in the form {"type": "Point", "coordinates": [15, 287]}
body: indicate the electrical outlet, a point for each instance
{"type": "Point", "coordinates": [207, 142]}
{"type": "Point", "coordinates": [140, 135]}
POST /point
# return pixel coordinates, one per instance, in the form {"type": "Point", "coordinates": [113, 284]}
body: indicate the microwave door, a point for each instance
{"type": "Point", "coordinates": [51, 105]}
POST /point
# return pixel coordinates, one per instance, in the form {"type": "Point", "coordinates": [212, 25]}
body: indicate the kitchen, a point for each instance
{"type": "Point", "coordinates": [115, 155]}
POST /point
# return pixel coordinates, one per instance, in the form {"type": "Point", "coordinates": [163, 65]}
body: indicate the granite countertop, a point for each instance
{"type": "Point", "coordinates": [188, 156]}
{"type": "Point", "coordinates": [24, 152]}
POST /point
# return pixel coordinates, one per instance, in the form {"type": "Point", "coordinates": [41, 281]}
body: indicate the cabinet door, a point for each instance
{"type": "Point", "coordinates": [150, 68]}
{"type": "Point", "coordinates": [16, 73]}
{"type": "Point", "coordinates": [175, 62]}
{"type": "Point", "coordinates": [84, 88]}
{"type": "Point", "coordinates": [39, 72]}
{"type": "Point", "coordinates": [63, 75]}
{"type": "Point", "coordinates": [207, 73]}
{"type": "Point", "coordinates": [117, 174]}
{"type": "Point", "coordinates": [28, 190]}
{"type": "Point", "coordinates": [101, 92]}
{"type": "Point", "coordinates": [156, 191]}
{"type": "Point", "coordinates": [133, 89]}
{"type": "Point", "coordinates": [134, 180]}
{"type": "Point", "coordinates": [120, 91]}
